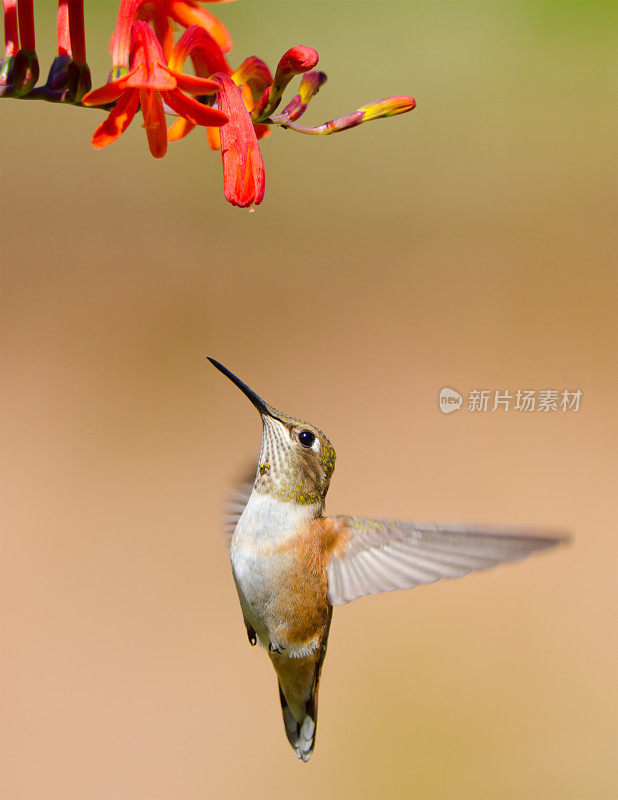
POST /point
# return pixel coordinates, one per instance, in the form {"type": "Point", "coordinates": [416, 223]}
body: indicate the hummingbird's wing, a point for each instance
{"type": "Point", "coordinates": [237, 499]}
{"type": "Point", "coordinates": [375, 555]}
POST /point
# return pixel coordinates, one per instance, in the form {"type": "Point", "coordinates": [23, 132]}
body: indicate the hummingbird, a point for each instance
{"type": "Point", "coordinates": [291, 564]}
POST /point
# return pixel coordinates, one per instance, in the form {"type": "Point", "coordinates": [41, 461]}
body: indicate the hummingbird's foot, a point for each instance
{"type": "Point", "coordinates": [251, 636]}
{"type": "Point", "coordinates": [275, 648]}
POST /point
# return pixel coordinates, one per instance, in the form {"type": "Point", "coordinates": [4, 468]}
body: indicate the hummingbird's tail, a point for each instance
{"type": "Point", "coordinates": [300, 723]}
{"type": "Point", "coordinates": [299, 679]}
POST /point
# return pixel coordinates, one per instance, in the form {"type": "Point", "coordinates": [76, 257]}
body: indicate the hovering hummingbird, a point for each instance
{"type": "Point", "coordinates": [291, 564]}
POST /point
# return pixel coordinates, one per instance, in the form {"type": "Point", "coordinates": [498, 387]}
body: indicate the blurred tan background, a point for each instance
{"type": "Point", "coordinates": [467, 244]}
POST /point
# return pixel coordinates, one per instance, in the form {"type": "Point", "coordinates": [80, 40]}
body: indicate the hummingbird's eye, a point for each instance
{"type": "Point", "coordinates": [306, 438]}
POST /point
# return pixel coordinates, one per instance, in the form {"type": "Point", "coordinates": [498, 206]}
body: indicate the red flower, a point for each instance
{"type": "Point", "coordinates": [184, 12]}
{"type": "Point", "coordinates": [237, 108]}
{"type": "Point", "coordinates": [148, 83]}
{"type": "Point", "coordinates": [243, 168]}
{"type": "Point", "coordinates": [70, 74]}
{"type": "Point", "coordinates": [253, 77]}
{"type": "Point", "coordinates": [189, 12]}
{"type": "Point", "coordinates": [71, 34]}
{"type": "Point", "coordinates": [11, 29]}
{"type": "Point", "coordinates": [19, 70]}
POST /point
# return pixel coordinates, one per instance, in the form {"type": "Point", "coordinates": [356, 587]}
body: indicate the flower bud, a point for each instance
{"type": "Point", "coordinates": [293, 62]}
{"type": "Point", "coordinates": [25, 71]}
{"type": "Point", "coordinates": [388, 107]}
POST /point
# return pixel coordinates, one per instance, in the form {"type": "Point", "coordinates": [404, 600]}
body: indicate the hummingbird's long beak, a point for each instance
{"type": "Point", "coordinates": [257, 401]}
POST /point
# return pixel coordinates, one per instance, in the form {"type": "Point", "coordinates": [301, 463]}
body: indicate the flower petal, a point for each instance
{"type": "Point", "coordinates": [11, 29]}
{"type": "Point", "coordinates": [243, 167]}
{"type": "Point", "coordinates": [193, 84]}
{"type": "Point", "coordinates": [206, 54]}
{"type": "Point", "coordinates": [77, 32]}
{"type": "Point", "coordinates": [214, 138]}
{"type": "Point", "coordinates": [188, 13]}
{"type": "Point", "coordinates": [105, 94]}
{"type": "Point", "coordinates": [181, 128]}
{"type": "Point", "coordinates": [148, 67]}
{"type": "Point", "coordinates": [190, 109]}
{"type": "Point", "coordinates": [25, 15]}
{"type": "Point", "coordinates": [118, 120]}
{"type": "Point", "coordinates": [261, 131]}
{"type": "Point", "coordinates": [154, 121]}
{"type": "Point", "coordinates": [63, 33]}
{"type": "Point", "coordinates": [163, 29]}
{"type": "Point", "coordinates": [120, 44]}
{"type": "Point", "coordinates": [255, 73]}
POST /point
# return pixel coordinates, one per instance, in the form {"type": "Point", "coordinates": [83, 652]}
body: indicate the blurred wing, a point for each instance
{"type": "Point", "coordinates": [374, 555]}
{"type": "Point", "coordinates": [236, 502]}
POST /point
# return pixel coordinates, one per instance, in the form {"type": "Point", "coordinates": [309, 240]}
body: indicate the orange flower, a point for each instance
{"type": "Point", "coordinates": [253, 77]}
{"type": "Point", "coordinates": [237, 108]}
{"type": "Point", "coordinates": [184, 12]}
{"type": "Point", "coordinates": [243, 168]}
{"type": "Point", "coordinates": [189, 12]}
{"type": "Point", "coordinates": [148, 83]}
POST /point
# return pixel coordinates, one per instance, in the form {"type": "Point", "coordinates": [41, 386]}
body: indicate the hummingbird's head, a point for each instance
{"type": "Point", "coordinates": [296, 460]}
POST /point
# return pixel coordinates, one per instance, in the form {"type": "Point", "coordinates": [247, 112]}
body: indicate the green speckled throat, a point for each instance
{"type": "Point", "coordinates": [289, 471]}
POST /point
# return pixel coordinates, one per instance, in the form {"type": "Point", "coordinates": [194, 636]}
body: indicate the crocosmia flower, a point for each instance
{"type": "Point", "coordinates": [148, 83]}
{"type": "Point", "coordinates": [237, 107]}
{"type": "Point", "coordinates": [243, 168]}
